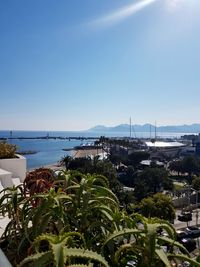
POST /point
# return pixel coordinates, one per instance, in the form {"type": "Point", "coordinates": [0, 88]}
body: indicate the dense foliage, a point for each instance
{"type": "Point", "coordinates": [196, 183]}
{"type": "Point", "coordinates": [151, 181]}
{"type": "Point", "coordinates": [39, 180]}
{"type": "Point", "coordinates": [78, 222]}
{"type": "Point", "coordinates": [94, 165]}
{"type": "Point", "coordinates": [159, 206]}
{"type": "Point", "coordinates": [136, 157]}
{"type": "Point", "coordinates": [189, 165]}
{"type": "Point", "coordinates": [128, 177]}
{"type": "Point", "coordinates": [91, 165]}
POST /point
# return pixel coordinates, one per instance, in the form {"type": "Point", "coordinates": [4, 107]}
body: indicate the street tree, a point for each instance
{"type": "Point", "coordinates": [176, 166]}
{"type": "Point", "coordinates": [196, 183]}
{"type": "Point", "coordinates": [135, 158]}
{"type": "Point", "coordinates": [151, 181]}
{"type": "Point", "coordinates": [190, 165]}
{"type": "Point", "coordinates": [159, 205]}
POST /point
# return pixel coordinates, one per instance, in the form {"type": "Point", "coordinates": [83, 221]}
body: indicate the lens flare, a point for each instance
{"type": "Point", "coordinates": [123, 13]}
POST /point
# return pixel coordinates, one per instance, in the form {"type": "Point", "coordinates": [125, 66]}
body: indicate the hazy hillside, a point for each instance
{"type": "Point", "coordinates": [193, 128]}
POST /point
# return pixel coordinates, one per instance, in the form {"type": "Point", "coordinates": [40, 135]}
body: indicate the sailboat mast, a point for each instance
{"type": "Point", "coordinates": [150, 131]}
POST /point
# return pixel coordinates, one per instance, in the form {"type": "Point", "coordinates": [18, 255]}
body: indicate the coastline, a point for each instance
{"type": "Point", "coordinates": [80, 153]}
{"type": "Point", "coordinates": [54, 166]}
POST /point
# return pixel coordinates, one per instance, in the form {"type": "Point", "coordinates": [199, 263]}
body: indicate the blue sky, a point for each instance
{"type": "Point", "coordinates": [74, 64]}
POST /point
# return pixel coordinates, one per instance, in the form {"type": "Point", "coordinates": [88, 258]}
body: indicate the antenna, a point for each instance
{"type": "Point", "coordinates": [130, 128]}
{"type": "Point", "coordinates": [155, 131]}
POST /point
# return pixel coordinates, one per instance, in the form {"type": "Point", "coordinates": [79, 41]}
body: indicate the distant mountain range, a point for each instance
{"type": "Point", "coordinates": [193, 128]}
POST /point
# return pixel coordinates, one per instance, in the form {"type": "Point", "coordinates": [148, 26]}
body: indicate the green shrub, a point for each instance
{"type": "Point", "coordinates": [7, 151]}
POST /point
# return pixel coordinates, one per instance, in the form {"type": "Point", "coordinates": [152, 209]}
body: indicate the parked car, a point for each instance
{"type": "Point", "coordinates": [185, 217]}
{"type": "Point", "coordinates": [188, 243]}
{"type": "Point", "coordinates": [193, 231]}
{"type": "Point", "coordinates": [185, 264]}
{"type": "Point", "coordinates": [181, 234]}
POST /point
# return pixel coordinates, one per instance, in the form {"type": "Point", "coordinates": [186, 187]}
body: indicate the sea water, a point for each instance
{"type": "Point", "coordinates": [48, 151]}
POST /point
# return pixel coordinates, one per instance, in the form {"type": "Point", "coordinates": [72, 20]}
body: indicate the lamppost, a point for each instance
{"type": "Point", "coordinates": [197, 198]}
{"type": "Point", "coordinates": [197, 216]}
{"type": "Point", "coordinates": [188, 194]}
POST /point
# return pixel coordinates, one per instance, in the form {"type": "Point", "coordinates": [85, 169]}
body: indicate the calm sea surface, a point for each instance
{"type": "Point", "coordinates": [50, 151]}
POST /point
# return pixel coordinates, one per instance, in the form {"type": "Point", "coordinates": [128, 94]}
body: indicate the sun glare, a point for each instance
{"type": "Point", "coordinates": [176, 4]}
{"type": "Point", "coordinates": [123, 13]}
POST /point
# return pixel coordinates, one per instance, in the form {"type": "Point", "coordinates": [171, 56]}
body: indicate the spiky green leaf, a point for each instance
{"type": "Point", "coordinates": [87, 254]}
{"type": "Point", "coordinates": [37, 260]}
{"type": "Point", "coordinates": [122, 233]}
{"type": "Point", "coordinates": [174, 244]}
{"type": "Point", "coordinates": [161, 254]}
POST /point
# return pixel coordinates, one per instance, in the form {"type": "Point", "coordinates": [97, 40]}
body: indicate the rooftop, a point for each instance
{"type": "Point", "coordinates": [164, 144]}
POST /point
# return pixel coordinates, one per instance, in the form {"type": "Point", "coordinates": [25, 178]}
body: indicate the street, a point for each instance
{"type": "Point", "coordinates": [195, 220]}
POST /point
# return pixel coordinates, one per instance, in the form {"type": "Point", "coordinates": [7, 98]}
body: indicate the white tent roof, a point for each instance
{"type": "Point", "coordinates": [164, 144]}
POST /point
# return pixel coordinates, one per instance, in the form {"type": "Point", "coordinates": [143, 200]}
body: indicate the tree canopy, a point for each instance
{"type": "Point", "coordinates": [151, 181]}
{"type": "Point", "coordinates": [189, 164]}
{"type": "Point", "coordinates": [93, 166]}
{"type": "Point", "coordinates": [196, 183]}
{"type": "Point", "coordinates": [159, 205]}
{"type": "Point", "coordinates": [136, 157]}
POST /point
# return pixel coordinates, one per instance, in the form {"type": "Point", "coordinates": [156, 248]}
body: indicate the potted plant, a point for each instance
{"type": "Point", "coordinates": [12, 165]}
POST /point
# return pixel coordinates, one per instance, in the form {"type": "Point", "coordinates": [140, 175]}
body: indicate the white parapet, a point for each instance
{"type": "Point", "coordinates": [3, 260]}
{"type": "Point", "coordinates": [6, 178]}
{"type": "Point", "coordinates": [17, 166]}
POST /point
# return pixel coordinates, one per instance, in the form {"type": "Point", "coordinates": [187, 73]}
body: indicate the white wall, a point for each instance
{"type": "Point", "coordinates": [3, 260]}
{"type": "Point", "coordinates": [16, 165]}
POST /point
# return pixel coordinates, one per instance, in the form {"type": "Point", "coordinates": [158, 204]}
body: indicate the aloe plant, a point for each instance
{"type": "Point", "coordinates": [62, 250]}
{"type": "Point", "coordinates": [144, 246]}
{"type": "Point", "coordinates": [80, 204]}
{"type": "Point", "coordinates": [11, 205]}
{"type": "Point", "coordinates": [78, 222]}
{"type": "Point", "coordinates": [39, 180]}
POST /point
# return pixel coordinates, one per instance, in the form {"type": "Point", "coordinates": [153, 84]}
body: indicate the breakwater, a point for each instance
{"type": "Point", "coordinates": [51, 138]}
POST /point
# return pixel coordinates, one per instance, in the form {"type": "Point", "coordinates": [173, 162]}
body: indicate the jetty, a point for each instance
{"type": "Point", "coordinates": [51, 138]}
